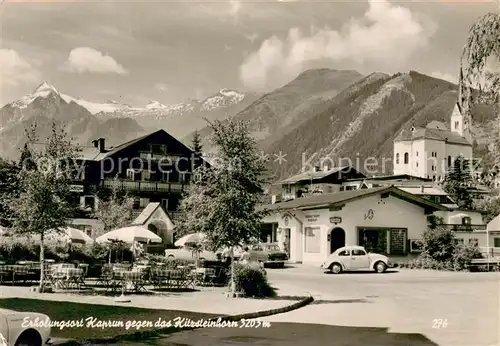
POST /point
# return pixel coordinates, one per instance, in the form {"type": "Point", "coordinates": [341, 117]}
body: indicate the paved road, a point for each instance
{"type": "Point", "coordinates": [368, 309]}
{"type": "Point", "coordinates": [405, 302]}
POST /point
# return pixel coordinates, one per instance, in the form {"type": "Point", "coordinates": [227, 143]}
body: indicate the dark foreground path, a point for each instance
{"type": "Point", "coordinates": [280, 334]}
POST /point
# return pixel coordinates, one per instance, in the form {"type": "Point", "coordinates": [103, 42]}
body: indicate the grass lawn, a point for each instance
{"type": "Point", "coordinates": [101, 314]}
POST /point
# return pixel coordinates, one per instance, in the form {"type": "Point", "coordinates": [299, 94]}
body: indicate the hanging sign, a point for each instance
{"type": "Point", "coordinates": [335, 220]}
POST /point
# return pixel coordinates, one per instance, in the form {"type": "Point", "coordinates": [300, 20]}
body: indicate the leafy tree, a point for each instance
{"type": "Point", "coordinates": [26, 159]}
{"type": "Point", "coordinates": [44, 202]}
{"type": "Point", "coordinates": [433, 221]}
{"type": "Point", "coordinates": [197, 146]}
{"type": "Point", "coordinates": [115, 211]}
{"type": "Point", "coordinates": [9, 187]}
{"type": "Point", "coordinates": [481, 51]}
{"type": "Point", "coordinates": [222, 204]}
{"type": "Point", "coordinates": [489, 206]}
{"type": "Point", "coordinates": [458, 181]}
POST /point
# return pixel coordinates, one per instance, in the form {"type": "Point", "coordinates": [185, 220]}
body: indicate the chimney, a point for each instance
{"type": "Point", "coordinates": [317, 168]}
{"type": "Point", "coordinates": [95, 142]}
{"type": "Point", "coordinates": [273, 199]}
{"type": "Point", "coordinates": [102, 143]}
{"type": "Point", "coordinates": [422, 188]}
{"type": "Point", "coordinates": [326, 168]}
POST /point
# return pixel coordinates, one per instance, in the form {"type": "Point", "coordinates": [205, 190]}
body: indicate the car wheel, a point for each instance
{"type": "Point", "coordinates": [380, 267]}
{"type": "Point", "coordinates": [29, 338]}
{"type": "Point", "coordinates": [336, 268]}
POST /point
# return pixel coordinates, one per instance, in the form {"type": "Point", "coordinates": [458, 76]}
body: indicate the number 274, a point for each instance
{"type": "Point", "coordinates": [438, 323]}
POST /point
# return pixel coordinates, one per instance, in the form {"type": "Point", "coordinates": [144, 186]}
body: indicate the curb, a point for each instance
{"type": "Point", "coordinates": [139, 335]}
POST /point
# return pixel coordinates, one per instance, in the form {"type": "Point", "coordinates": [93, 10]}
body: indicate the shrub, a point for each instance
{"type": "Point", "coordinates": [251, 279]}
{"type": "Point", "coordinates": [439, 244]}
{"type": "Point", "coordinates": [463, 256]}
{"type": "Point", "coordinates": [424, 261]}
{"type": "Point", "coordinates": [168, 263]}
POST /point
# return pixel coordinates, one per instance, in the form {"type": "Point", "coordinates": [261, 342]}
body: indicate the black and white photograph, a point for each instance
{"type": "Point", "coordinates": [250, 172]}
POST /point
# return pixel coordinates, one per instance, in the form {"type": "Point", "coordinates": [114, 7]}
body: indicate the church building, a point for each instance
{"type": "Point", "coordinates": [430, 152]}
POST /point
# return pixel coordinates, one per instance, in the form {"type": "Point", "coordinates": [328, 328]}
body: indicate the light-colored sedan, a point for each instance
{"type": "Point", "coordinates": [24, 328]}
{"type": "Point", "coordinates": [187, 253]}
{"type": "Point", "coordinates": [355, 258]}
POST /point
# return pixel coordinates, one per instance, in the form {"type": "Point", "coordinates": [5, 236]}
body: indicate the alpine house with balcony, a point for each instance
{"type": "Point", "coordinates": [316, 181]}
{"type": "Point", "coordinates": [152, 168]}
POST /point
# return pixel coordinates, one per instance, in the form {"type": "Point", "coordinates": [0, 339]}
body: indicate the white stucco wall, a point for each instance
{"type": "Point", "coordinates": [481, 238]}
{"type": "Point", "coordinates": [166, 227]}
{"type": "Point", "coordinates": [422, 163]}
{"type": "Point", "coordinates": [399, 165]}
{"type": "Point", "coordinates": [454, 217]}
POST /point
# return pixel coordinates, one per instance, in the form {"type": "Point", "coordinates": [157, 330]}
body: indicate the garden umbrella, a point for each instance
{"type": "Point", "coordinates": [65, 235]}
{"type": "Point", "coordinates": [71, 235]}
{"type": "Point", "coordinates": [190, 238]}
{"type": "Point", "coordinates": [130, 235]}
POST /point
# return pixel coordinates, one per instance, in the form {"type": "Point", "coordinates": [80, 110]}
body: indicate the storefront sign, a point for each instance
{"type": "Point", "coordinates": [312, 218]}
{"type": "Point", "coordinates": [335, 220]}
{"type": "Point", "coordinates": [76, 188]}
{"type": "Point", "coordinates": [370, 214]}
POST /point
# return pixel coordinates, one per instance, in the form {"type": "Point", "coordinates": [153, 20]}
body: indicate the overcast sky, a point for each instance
{"type": "Point", "coordinates": [169, 51]}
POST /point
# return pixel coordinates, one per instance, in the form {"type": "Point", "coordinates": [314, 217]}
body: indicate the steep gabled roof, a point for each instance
{"type": "Point", "coordinates": [431, 133]}
{"type": "Point", "coordinates": [146, 213]}
{"type": "Point", "coordinates": [317, 175]}
{"type": "Point", "coordinates": [398, 177]}
{"type": "Point", "coordinates": [339, 198]}
{"type": "Point", "coordinates": [93, 154]}
{"type": "Point", "coordinates": [494, 225]}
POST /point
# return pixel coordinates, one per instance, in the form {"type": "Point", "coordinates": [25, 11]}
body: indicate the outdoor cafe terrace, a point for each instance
{"type": "Point", "coordinates": [146, 272]}
{"type": "Point", "coordinates": [125, 277]}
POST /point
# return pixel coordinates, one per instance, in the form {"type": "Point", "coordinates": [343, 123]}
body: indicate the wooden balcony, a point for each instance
{"type": "Point", "coordinates": [465, 228]}
{"type": "Point", "coordinates": [143, 186]}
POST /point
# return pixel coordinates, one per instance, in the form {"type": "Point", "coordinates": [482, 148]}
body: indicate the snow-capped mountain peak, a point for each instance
{"type": "Point", "coordinates": [44, 89]}
{"type": "Point", "coordinates": [155, 105]}
{"type": "Point", "coordinates": [231, 93]}
{"type": "Point", "coordinates": [224, 98]}
{"type": "Point", "coordinates": [154, 109]}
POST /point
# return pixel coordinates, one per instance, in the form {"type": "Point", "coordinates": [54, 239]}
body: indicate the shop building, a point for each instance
{"type": "Point", "coordinates": [384, 220]}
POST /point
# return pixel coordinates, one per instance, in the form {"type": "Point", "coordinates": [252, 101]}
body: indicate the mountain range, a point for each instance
{"type": "Point", "coordinates": [117, 122]}
{"type": "Point", "coordinates": [326, 112]}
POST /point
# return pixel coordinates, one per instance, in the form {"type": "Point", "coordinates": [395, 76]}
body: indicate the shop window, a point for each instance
{"type": "Point", "coordinates": [313, 239]}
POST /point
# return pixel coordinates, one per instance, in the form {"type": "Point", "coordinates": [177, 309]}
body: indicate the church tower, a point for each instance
{"type": "Point", "coordinates": [461, 120]}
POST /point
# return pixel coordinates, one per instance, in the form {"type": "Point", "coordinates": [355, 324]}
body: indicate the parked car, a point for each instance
{"type": "Point", "coordinates": [188, 253]}
{"type": "Point", "coordinates": [24, 328]}
{"type": "Point", "coordinates": [269, 254]}
{"type": "Point", "coordinates": [354, 258]}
